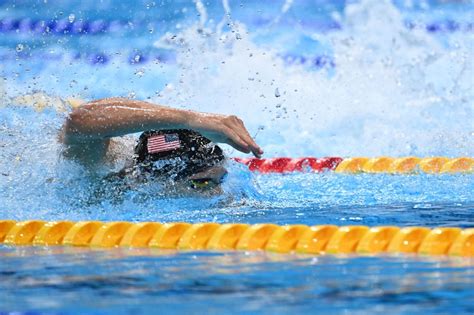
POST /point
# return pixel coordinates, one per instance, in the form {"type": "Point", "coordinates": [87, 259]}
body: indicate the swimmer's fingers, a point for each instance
{"type": "Point", "coordinates": [256, 150]}
{"type": "Point", "coordinates": [235, 141]}
{"type": "Point", "coordinates": [227, 129]}
{"type": "Point", "coordinates": [254, 147]}
{"type": "Point", "coordinates": [239, 128]}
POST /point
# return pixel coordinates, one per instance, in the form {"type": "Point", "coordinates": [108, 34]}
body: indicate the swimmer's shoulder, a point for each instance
{"type": "Point", "coordinates": [82, 150]}
{"type": "Point", "coordinates": [90, 152]}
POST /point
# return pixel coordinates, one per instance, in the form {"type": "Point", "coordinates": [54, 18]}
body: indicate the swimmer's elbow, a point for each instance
{"type": "Point", "coordinates": [77, 125]}
{"type": "Point", "coordinates": [73, 123]}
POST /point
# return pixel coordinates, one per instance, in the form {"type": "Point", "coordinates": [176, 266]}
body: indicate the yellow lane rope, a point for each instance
{"type": "Point", "coordinates": [320, 239]}
{"type": "Point", "coordinates": [432, 165]}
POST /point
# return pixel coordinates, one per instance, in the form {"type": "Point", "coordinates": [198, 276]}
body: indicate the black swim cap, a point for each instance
{"type": "Point", "coordinates": [176, 152]}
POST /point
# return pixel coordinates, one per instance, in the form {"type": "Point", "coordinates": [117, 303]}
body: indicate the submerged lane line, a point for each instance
{"type": "Point", "coordinates": [303, 239]}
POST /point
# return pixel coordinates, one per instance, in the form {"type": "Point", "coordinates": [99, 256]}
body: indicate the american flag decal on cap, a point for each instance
{"type": "Point", "coordinates": [163, 143]}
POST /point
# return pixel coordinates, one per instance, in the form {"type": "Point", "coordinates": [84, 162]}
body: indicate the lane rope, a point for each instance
{"type": "Point", "coordinates": [319, 239]}
{"type": "Point", "coordinates": [142, 58]}
{"type": "Point", "coordinates": [392, 165]}
{"type": "Point", "coordinates": [73, 26]}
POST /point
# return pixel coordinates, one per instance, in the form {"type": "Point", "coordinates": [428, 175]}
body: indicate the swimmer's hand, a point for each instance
{"type": "Point", "coordinates": [225, 129]}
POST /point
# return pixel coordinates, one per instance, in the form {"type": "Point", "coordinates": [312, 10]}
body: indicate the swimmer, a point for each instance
{"type": "Point", "coordinates": [178, 144]}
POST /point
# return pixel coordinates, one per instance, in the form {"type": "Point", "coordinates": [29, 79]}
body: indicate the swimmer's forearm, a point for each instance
{"type": "Point", "coordinates": [113, 117]}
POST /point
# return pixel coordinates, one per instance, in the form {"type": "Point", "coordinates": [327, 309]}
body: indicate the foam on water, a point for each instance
{"type": "Point", "coordinates": [394, 91]}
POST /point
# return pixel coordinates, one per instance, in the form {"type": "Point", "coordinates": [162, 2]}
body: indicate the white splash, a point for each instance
{"type": "Point", "coordinates": [393, 92]}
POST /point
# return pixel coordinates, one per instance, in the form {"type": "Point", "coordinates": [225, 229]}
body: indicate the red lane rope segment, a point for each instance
{"type": "Point", "coordinates": [286, 165]}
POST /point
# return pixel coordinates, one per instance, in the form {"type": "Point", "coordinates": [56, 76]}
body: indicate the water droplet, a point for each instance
{"type": "Point", "coordinates": [71, 18]}
{"type": "Point", "coordinates": [277, 93]}
{"type": "Point", "coordinates": [238, 36]}
{"type": "Point", "coordinates": [20, 47]}
{"type": "Point", "coordinates": [72, 83]}
{"type": "Point", "coordinates": [140, 72]}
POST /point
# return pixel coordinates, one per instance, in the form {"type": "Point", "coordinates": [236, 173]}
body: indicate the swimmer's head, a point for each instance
{"type": "Point", "coordinates": [178, 153]}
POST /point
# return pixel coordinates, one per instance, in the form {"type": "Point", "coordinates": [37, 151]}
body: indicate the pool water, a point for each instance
{"type": "Point", "coordinates": [309, 78]}
{"type": "Point", "coordinates": [64, 280]}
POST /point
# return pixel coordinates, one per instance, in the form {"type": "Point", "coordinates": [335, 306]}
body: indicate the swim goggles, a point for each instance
{"type": "Point", "coordinates": [202, 183]}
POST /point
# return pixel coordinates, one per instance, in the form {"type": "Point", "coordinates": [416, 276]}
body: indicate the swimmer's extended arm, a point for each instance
{"type": "Point", "coordinates": [94, 123]}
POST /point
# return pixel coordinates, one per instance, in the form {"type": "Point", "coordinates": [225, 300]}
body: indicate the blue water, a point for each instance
{"type": "Point", "coordinates": [319, 78]}
{"type": "Point", "coordinates": [68, 281]}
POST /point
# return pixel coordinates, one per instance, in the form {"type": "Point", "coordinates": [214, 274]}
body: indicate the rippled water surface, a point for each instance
{"type": "Point", "coordinates": [134, 281]}
{"type": "Point", "coordinates": [309, 78]}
